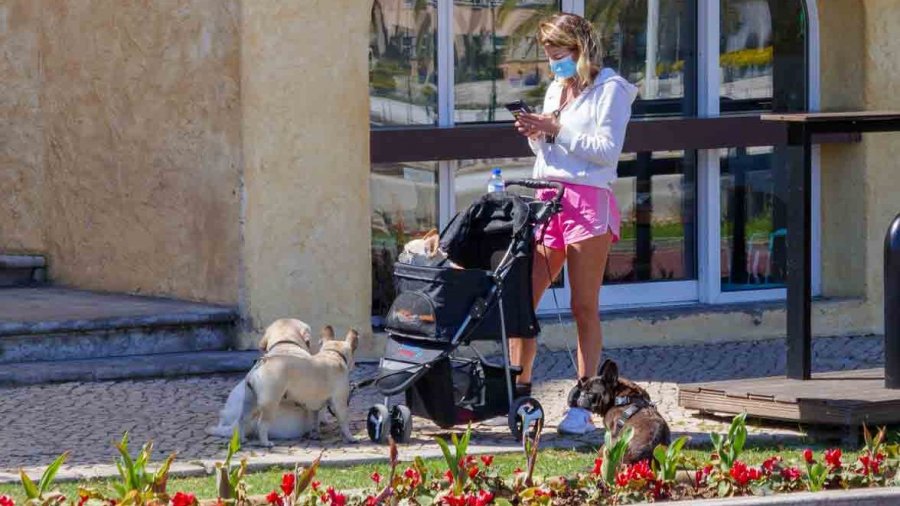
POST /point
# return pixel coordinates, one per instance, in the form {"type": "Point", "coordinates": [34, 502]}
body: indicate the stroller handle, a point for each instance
{"type": "Point", "coordinates": [537, 184]}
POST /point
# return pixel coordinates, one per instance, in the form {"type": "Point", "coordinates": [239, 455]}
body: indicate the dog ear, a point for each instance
{"type": "Point", "coordinates": [353, 339]}
{"type": "Point", "coordinates": [263, 341]}
{"type": "Point", "coordinates": [609, 372]}
{"type": "Point", "coordinates": [327, 333]}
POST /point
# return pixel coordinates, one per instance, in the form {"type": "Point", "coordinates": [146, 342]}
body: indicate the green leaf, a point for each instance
{"type": "Point", "coordinates": [31, 491]}
{"type": "Point", "coordinates": [661, 456]}
{"type": "Point", "coordinates": [678, 445]}
{"type": "Point", "coordinates": [234, 445]}
{"type": "Point", "coordinates": [724, 489]}
{"type": "Point", "coordinates": [502, 502]}
{"type": "Point", "coordinates": [716, 439]}
{"type": "Point", "coordinates": [50, 474]}
{"type": "Point", "coordinates": [445, 449]}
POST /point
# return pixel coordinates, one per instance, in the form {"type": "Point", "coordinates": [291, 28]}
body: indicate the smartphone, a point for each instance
{"type": "Point", "coordinates": [518, 107]}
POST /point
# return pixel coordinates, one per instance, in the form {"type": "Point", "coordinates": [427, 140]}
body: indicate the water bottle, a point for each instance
{"type": "Point", "coordinates": [495, 183]}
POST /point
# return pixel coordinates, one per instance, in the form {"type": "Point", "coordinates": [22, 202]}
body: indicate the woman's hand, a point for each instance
{"type": "Point", "coordinates": [537, 124]}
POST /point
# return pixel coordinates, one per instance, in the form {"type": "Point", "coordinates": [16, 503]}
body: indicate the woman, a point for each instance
{"type": "Point", "coordinates": [577, 143]}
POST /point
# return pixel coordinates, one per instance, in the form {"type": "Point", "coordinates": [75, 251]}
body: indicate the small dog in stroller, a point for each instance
{"type": "Point", "coordinates": [480, 291]}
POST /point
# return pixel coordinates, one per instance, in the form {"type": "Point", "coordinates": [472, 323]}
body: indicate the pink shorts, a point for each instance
{"type": "Point", "coordinates": [587, 211]}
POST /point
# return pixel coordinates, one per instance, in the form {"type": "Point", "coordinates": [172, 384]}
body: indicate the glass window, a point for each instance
{"type": "Point", "coordinates": [402, 63]}
{"type": "Point", "coordinates": [762, 55]}
{"type": "Point", "coordinates": [471, 178]}
{"type": "Point", "coordinates": [650, 43]}
{"type": "Point", "coordinates": [656, 197]}
{"type": "Point", "coordinates": [497, 58]}
{"type": "Point", "coordinates": [404, 205]}
{"type": "Point", "coordinates": [753, 219]}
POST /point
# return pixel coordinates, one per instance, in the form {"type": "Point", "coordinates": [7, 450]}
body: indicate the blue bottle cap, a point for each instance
{"type": "Point", "coordinates": [496, 171]}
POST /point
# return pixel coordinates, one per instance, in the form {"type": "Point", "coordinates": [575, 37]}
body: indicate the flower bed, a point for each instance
{"type": "Point", "coordinates": [474, 481]}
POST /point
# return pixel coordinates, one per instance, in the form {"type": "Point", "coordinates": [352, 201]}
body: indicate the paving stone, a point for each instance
{"type": "Point", "coordinates": [41, 421]}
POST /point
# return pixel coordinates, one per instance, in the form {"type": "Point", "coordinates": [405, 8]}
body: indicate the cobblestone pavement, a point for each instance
{"type": "Point", "coordinates": [37, 423]}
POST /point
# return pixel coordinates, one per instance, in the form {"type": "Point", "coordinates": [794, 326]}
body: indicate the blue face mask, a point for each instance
{"type": "Point", "coordinates": [563, 68]}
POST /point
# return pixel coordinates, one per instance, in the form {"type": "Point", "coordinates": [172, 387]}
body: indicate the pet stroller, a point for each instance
{"type": "Point", "coordinates": [480, 292]}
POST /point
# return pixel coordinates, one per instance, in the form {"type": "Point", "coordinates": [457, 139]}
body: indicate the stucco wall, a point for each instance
{"type": "Point", "coordinates": [306, 148]}
{"type": "Point", "coordinates": [133, 183]}
{"type": "Point", "coordinates": [882, 151]}
{"type": "Point", "coordinates": [860, 183]}
{"type": "Point", "coordinates": [21, 133]}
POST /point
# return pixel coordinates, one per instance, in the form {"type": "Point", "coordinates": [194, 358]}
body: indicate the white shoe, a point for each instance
{"type": "Point", "coordinates": [577, 422]}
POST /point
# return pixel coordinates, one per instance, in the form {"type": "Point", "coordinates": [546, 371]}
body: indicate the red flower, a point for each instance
{"type": "Point", "coordinates": [598, 465]}
{"type": "Point", "coordinates": [473, 472]}
{"type": "Point", "coordinates": [870, 465]}
{"type": "Point", "coordinates": [622, 479]}
{"type": "Point", "coordinates": [274, 498]}
{"type": "Point", "coordinates": [82, 499]}
{"type": "Point", "coordinates": [376, 477]}
{"type": "Point", "coordinates": [808, 456]}
{"type": "Point", "coordinates": [287, 483]}
{"type": "Point", "coordinates": [414, 478]}
{"type": "Point", "coordinates": [790, 474]}
{"type": "Point", "coordinates": [833, 458]}
{"type": "Point", "coordinates": [6, 501]}
{"type": "Point", "coordinates": [487, 460]}
{"type": "Point", "coordinates": [484, 498]}
{"type": "Point", "coordinates": [742, 474]}
{"type": "Point", "coordinates": [517, 470]}
{"type": "Point", "coordinates": [449, 476]}
{"type": "Point", "coordinates": [659, 489]}
{"type": "Point", "coordinates": [182, 499]}
{"type": "Point", "coordinates": [315, 485]}
{"type": "Point", "coordinates": [371, 501]}
{"type": "Point", "coordinates": [768, 465]}
{"type": "Point", "coordinates": [335, 498]}
{"type": "Point", "coordinates": [642, 470]}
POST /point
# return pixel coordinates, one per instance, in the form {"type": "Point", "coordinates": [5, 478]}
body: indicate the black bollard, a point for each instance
{"type": "Point", "coordinates": [892, 305]}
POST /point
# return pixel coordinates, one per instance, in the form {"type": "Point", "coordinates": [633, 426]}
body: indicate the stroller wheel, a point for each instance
{"type": "Point", "coordinates": [401, 423]}
{"type": "Point", "coordinates": [525, 415]}
{"type": "Point", "coordinates": [378, 423]}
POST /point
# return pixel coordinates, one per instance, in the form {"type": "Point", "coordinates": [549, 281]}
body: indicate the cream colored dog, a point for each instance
{"type": "Point", "coordinates": [424, 251]}
{"type": "Point", "coordinates": [288, 337]}
{"type": "Point", "coordinates": [314, 382]}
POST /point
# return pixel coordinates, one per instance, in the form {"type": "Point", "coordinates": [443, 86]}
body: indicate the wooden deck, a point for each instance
{"type": "Point", "coordinates": [848, 398]}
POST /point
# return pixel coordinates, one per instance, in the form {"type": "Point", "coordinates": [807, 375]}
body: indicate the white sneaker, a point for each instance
{"type": "Point", "coordinates": [577, 422]}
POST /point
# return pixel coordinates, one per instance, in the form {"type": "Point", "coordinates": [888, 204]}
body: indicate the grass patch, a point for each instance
{"type": "Point", "coordinates": [551, 462]}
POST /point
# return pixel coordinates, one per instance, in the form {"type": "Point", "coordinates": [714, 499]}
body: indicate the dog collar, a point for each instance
{"type": "Point", "coordinates": [295, 343]}
{"type": "Point", "coordinates": [346, 362]}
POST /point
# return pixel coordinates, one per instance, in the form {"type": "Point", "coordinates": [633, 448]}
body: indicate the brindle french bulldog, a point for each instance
{"type": "Point", "coordinates": [622, 403]}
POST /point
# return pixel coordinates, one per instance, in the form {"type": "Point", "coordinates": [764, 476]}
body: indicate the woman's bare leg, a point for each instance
{"type": "Point", "coordinates": [587, 263]}
{"type": "Point", "coordinates": [523, 351]}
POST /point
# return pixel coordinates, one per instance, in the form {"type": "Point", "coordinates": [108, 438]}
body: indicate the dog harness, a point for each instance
{"type": "Point", "coordinates": [634, 407]}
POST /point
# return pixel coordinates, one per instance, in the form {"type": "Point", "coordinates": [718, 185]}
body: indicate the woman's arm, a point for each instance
{"type": "Point", "coordinates": [613, 111]}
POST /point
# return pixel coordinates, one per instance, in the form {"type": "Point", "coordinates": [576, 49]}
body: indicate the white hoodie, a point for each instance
{"type": "Point", "coordinates": [592, 132]}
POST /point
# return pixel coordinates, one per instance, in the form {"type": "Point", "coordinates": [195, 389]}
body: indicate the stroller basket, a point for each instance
{"type": "Point", "coordinates": [434, 301]}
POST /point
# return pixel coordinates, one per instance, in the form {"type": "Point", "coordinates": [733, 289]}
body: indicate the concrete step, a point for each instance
{"type": "Point", "coordinates": [45, 324]}
{"type": "Point", "coordinates": [22, 270]}
{"type": "Point", "coordinates": [127, 368]}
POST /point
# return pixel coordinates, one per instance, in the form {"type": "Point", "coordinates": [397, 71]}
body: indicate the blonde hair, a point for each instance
{"type": "Point", "coordinates": [573, 32]}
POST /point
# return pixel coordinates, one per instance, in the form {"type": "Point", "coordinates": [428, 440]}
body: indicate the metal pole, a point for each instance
{"type": "Point", "coordinates": [799, 237]}
{"type": "Point", "coordinates": [892, 306]}
{"type": "Point", "coordinates": [650, 80]}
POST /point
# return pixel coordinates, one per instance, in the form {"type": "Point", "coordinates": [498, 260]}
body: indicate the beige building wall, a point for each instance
{"type": "Point", "coordinates": [124, 148]}
{"type": "Point", "coordinates": [305, 105]}
{"type": "Point", "coordinates": [21, 129]}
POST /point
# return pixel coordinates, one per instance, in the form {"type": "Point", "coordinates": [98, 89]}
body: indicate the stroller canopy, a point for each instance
{"type": "Point", "coordinates": [478, 238]}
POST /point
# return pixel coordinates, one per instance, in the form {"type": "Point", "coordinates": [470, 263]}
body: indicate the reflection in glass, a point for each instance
{"type": "Point", "coordinates": [497, 58]}
{"type": "Point", "coordinates": [402, 58]}
{"type": "Point", "coordinates": [656, 197]}
{"type": "Point", "coordinates": [404, 206]}
{"type": "Point", "coordinates": [753, 219]}
{"type": "Point", "coordinates": [650, 43]}
{"type": "Point", "coordinates": [763, 55]}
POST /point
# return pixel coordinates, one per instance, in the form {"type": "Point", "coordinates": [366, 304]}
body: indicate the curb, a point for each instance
{"type": "Point", "coordinates": [860, 497]}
